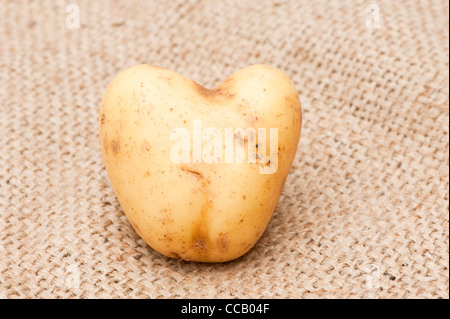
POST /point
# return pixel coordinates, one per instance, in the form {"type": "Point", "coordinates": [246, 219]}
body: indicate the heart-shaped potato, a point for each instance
{"type": "Point", "coordinates": [207, 204]}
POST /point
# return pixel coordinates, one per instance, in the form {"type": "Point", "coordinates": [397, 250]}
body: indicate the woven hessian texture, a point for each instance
{"type": "Point", "coordinates": [364, 213]}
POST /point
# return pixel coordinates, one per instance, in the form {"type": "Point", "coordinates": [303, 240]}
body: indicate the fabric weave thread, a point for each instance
{"type": "Point", "coordinates": [364, 213]}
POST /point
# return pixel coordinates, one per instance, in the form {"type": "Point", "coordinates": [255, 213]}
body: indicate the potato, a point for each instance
{"type": "Point", "coordinates": [173, 153]}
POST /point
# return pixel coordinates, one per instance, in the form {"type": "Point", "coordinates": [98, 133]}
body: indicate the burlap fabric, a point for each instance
{"type": "Point", "coordinates": [364, 213]}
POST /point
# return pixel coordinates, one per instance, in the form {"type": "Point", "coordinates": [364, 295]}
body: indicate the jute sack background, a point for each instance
{"type": "Point", "coordinates": [364, 213]}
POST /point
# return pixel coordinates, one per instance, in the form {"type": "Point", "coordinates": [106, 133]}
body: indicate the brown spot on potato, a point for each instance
{"type": "Point", "coordinates": [252, 119]}
{"type": "Point", "coordinates": [192, 172]}
{"type": "Point", "coordinates": [145, 146]}
{"type": "Point", "coordinates": [165, 216]}
{"type": "Point", "coordinates": [199, 243]}
{"type": "Point", "coordinates": [168, 238]}
{"type": "Point", "coordinates": [102, 118]}
{"type": "Point", "coordinates": [115, 147]}
{"type": "Point", "coordinates": [223, 92]}
{"type": "Point", "coordinates": [200, 240]}
{"type": "Point", "coordinates": [242, 140]}
{"type": "Point", "coordinates": [200, 236]}
{"type": "Point", "coordinates": [175, 255]}
{"type": "Point", "coordinates": [168, 79]}
{"type": "Point", "coordinates": [204, 91]}
{"type": "Point", "coordinates": [220, 91]}
{"type": "Point", "coordinates": [222, 243]}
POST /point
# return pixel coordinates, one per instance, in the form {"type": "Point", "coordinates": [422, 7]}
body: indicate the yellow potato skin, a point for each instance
{"type": "Point", "coordinates": [198, 212]}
